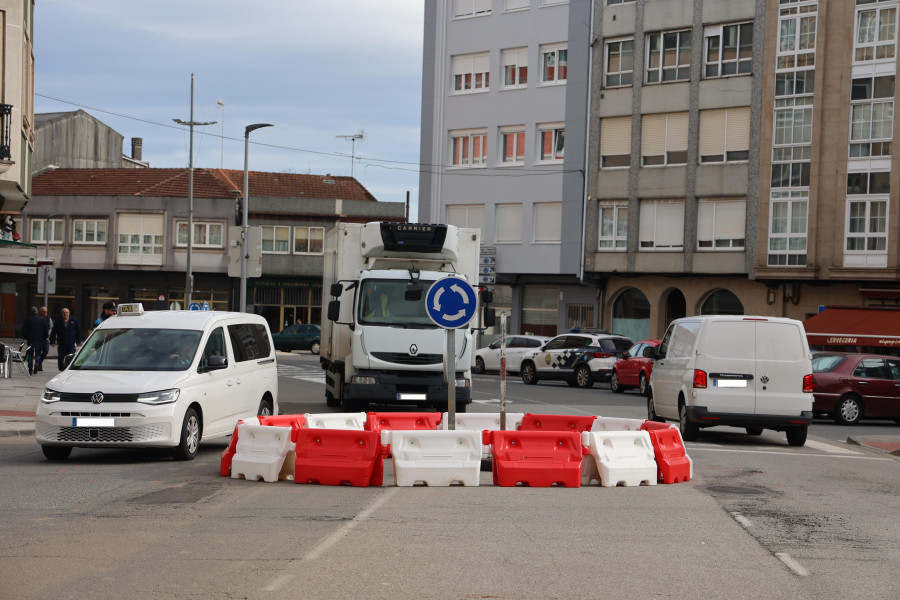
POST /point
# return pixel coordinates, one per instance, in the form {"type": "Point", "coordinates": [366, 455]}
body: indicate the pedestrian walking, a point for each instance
{"type": "Point", "coordinates": [67, 333]}
{"type": "Point", "coordinates": [34, 330]}
{"type": "Point", "coordinates": [45, 350]}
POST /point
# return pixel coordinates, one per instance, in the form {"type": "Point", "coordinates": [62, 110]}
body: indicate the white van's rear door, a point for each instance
{"type": "Point", "coordinates": [782, 359]}
{"type": "Point", "coordinates": [730, 349]}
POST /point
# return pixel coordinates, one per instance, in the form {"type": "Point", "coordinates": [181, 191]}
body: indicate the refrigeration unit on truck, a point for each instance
{"type": "Point", "coordinates": [378, 343]}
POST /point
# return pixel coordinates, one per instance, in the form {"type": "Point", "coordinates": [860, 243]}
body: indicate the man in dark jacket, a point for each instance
{"type": "Point", "coordinates": [34, 330]}
{"type": "Point", "coordinates": [67, 332]}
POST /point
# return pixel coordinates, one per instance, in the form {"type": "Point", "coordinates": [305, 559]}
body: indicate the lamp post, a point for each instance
{"type": "Point", "coordinates": [245, 226]}
{"type": "Point", "coordinates": [188, 284]}
{"type": "Point", "coordinates": [46, 268]}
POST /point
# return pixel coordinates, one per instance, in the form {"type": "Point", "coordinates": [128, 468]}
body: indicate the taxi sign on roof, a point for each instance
{"type": "Point", "coordinates": [136, 309]}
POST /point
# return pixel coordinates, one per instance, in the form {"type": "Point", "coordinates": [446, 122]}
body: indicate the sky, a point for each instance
{"type": "Point", "coordinates": [314, 69]}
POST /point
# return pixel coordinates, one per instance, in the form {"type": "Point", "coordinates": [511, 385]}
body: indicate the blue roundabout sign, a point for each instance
{"type": "Point", "coordinates": [451, 302]}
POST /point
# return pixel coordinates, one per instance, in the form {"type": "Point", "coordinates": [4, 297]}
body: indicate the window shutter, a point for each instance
{"type": "Point", "coordinates": [677, 132]}
{"type": "Point", "coordinates": [653, 135]}
{"type": "Point", "coordinates": [462, 65]}
{"type": "Point", "coordinates": [647, 221]}
{"type": "Point", "coordinates": [670, 223]}
{"type": "Point", "coordinates": [547, 221]}
{"type": "Point", "coordinates": [706, 229]}
{"type": "Point", "coordinates": [712, 133]}
{"type": "Point", "coordinates": [738, 133]}
{"type": "Point", "coordinates": [481, 63]}
{"type": "Point", "coordinates": [509, 222]}
{"type": "Point", "coordinates": [730, 219]}
{"type": "Point", "coordinates": [615, 136]}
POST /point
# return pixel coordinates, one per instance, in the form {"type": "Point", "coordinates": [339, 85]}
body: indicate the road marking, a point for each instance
{"type": "Point", "coordinates": [744, 521]}
{"type": "Point", "coordinates": [303, 373]}
{"type": "Point", "coordinates": [792, 564]}
{"type": "Point", "coordinates": [829, 448]}
{"type": "Point", "coordinates": [784, 452]}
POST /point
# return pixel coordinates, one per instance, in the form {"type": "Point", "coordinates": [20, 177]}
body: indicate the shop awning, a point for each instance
{"type": "Point", "coordinates": [854, 326]}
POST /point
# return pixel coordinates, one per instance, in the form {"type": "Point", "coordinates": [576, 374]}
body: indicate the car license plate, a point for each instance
{"type": "Point", "coordinates": [93, 422]}
{"type": "Point", "coordinates": [730, 383]}
{"type": "Point", "coordinates": [412, 397]}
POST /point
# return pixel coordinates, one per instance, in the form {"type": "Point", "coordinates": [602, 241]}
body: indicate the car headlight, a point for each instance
{"type": "Point", "coordinates": [49, 396]}
{"type": "Point", "coordinates": [160, 397]}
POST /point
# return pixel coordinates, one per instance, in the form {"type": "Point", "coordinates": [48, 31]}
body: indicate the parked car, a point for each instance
{"type": "Point", "coordinates": [298, 337]}
{"type": "Point", "coordinates": [850, 387]}
{"type": "Point", "coordinates": [633, 369]}
{"type": "Point", "coordinates": [488, 358]}
{"type": "Point", "coordinates": [579, 359]}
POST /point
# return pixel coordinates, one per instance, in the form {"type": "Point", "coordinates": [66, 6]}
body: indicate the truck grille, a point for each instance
{"type": "Point", "coordinates": [408, 359]}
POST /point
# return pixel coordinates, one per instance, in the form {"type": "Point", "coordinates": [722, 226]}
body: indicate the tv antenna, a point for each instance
{"type": "Point", "coordinates": [356, 136]}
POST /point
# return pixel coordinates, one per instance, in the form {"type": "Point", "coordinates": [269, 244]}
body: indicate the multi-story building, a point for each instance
{"type": "Point", "coordinates": [78, 140]}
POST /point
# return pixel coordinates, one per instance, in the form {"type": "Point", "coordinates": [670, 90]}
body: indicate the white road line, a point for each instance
{"type": "Point", "coordinates": [784, 452]}
{"type": "Point", "coordinates": [829, 448]}
{"type": "Point", "coordinates": [792, 564]}
{"type": "Point", "coordinates": [744, 521]}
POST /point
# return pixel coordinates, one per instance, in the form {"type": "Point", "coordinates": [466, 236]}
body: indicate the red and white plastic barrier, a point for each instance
{"type": "Point", "coordinates": [261, 451]}
{"type": "Point", "coordinates": [339, 457]}
{"type": "Point", "coordinates": [484, 422]}
{"type": "Point", "coordinates": [435, 457]}
{"type": "Point", "coordinates": [673, 463]}
{"type": "Point", "coordinates": [577, 423]}
{"type": "Point", "coordinates": [228, 453]}
{"type": "Point", "coordinates": [619, 458]}
{"type": "Point", "coordinates": [355, 421]}
{"type": "Point", "coordinates": [535, 458]}
{"type": "Point", "coordinates": [616, 424]}
{"type": "Point", "coordinates": [402, 421]}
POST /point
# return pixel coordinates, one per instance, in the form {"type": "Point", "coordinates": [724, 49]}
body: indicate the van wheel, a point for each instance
{"type": "Point", "coordinates": [848, 411]}
{"type": "Point", "coordinates": [614, 383]}
{"type": "Point", "coordinates": [689, 431]}
{"type": "Point", "coordinates": [651, 410]}
{"type": "Point", "coordinates": [315, 348]}
{"type": "Point", "coordinates": [583, 377]}
{"type": "Point", "coordinates": [643, 386]}
{"type": "Point", "coordinates": [56, 452]}
{"type": "Point", "coordinates": [754, 430]}
{"type": "Point", "coordinates": [529, 376]}
{"type": "Point", "coordinates": [796, 436]}
{"type": "Point", "coordinates": [190, 437]}
{"type": "Point", "coordinates": [265, 408]}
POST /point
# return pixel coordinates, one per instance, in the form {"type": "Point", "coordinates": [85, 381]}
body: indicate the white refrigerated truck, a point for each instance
{"type": "Point", "coordinates": [378, 344]}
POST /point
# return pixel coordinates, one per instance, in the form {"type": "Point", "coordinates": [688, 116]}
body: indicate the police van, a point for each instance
{"type": "Point", "coordinates": [161, 379]}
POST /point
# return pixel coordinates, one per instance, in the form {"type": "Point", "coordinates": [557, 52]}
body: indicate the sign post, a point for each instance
{"type": "Point", "coordinates": [451, 303]}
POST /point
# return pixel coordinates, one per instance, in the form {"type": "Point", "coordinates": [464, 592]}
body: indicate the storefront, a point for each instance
{"type": "Point", "coordinates": [855, 329]}
{"type": "Point", "coordinates": [284, 303]}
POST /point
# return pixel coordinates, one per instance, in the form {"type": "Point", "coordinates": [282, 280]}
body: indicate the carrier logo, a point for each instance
{"type": "Point", "coordinates": [426, 228]}
{"type": "Point", "coordinates": [413, 349]}
{"type": "Point", "coordinates": [97, 397]}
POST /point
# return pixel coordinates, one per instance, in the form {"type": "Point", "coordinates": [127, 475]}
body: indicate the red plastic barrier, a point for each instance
{"type": "Point", "coordinates": [228, 453]}
{"type": "Point", "coordinates": [672, 463]}
{"type": "Point", "coordinates": [401, 421]}
{"type": "Point", "coordinates": [295, 422]}
{"type": "Point", "coordinates": [535, 458]}
{"type": "Point", "coordinates": [532, 422]}
{"type": "Point", "coordinates": [338, 457]}
{"type": "Point", "coordinates": [652, 425]}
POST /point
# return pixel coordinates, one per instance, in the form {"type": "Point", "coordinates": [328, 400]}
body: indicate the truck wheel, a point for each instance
{"type": "Point", "coordinates": [331, 401]}
{"type": "Point", "coordinates": [479, 365]}
{"type": "Point", "coordinates": [190, 437]}
{"type": "Point", "coordinates": [848, 411]}
{"type": "Point", "coordinates": [689, 431]}
{"type": "Point", "coordinates": [529, 376]}
{"type": "Point", "coordinates": [56, 452]}
{"type": "Point", "coordinates": [796, 436]}
{"type": "Point", "coordinates": [583, 378]}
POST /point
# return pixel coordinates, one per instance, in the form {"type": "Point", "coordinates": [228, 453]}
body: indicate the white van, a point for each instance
{"type": "Point", "coordinates": [742, 371]}
{"type": "Point", "coordinates": [160, 379]}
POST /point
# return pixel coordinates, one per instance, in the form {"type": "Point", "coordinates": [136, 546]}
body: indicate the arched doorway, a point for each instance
{"type": "Point", "coordinates": [631, 315]}
{"type": "Point", "coordinates": [676, 307]}
{"type": "Point", "coordinates": [722, 302]}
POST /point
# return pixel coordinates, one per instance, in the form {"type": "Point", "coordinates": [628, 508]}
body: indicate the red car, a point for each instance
{"type": "Point", "coordinates": [633, 369]}
{"type": "Point", "coordinates": [850, 387]}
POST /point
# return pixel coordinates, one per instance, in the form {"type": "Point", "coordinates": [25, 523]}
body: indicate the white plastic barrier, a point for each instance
{"type": "Point", "coordinates": [260, 452]}
{"type": "Point", "coordinates": [618, 458]}
{"type": "Point", "coordinates": [435, 457]}
{"type": "Point", "coordinates": [336, 420]}
{"type": "Point", "coordinates": [481, 421]}
{"type": "Point", "coordinates": [616, 424]}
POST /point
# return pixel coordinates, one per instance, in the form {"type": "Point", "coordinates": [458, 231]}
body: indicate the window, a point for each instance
{"type": "Point", "coordinates": [871, 116]}
{"type": "Point", "coordinates": [787, 228]}
{"type": "Point", "coordinates": [140, 239]}
{"type": "Point", "coordinates": [619, 63]}
{"type": "Point", "coordinates": [466, 215]}
{"type": "Point", "coordinates": [615, 142]}
{"type": "Point", "coordinates": [869, 183]}
{"type": "Point", "coordinates": [725, 134]}
{"type": "Point", "coordinates": [792, 142]}
{"type": "Point", "coordinates": [512, 145]}
{"type": "Point", "coordinates": [554, 63]}
{"type": "Point", "coordinates": [661, 225]}
{"type": "Point", "coordinates": [469, 148]}
{"type": "Point", "coordinates": [42, 229]}
{"type": "Point", "coordinates": [876, 30]}
{"type": "Point", "coordinates": [249, 341]}
{"type": "Point", "coordinates": [309, 240]}
{"type": "Point", "coordinates": [515, 4]}
{"type": "Point", "coordinates": [471, 8]}
{"type": "Point", "coordinates": [721, 224]}
{"type": "Point", "coordinates": [89, 231]}
{"type": "Point", "coordinates": [797, 35]}
{"type": "Point", "coordinates": [794, 83]}
{"type": "Point", "coordinates": [552, 138]}
{"type": "Point", "coordinates": [547, 222]}
{"type": "Point", "coordinates": [729, 50]}
{"type": "Point", "coordinates": [540, 310]}
{"type": "Point", "coordinates": [508, 220]}
{"type": "Point", "coordinates": [669, 56]}
{"type": "Point", "coordinates": [664, 139]}
{"type": "Point", "coordinates": [613, 233]}
{"type": "Point", "coordinates": [471, 73]}
{"type": "Point", "coordinates": [207, 235]}
{"type": "Point", "coordinates": [867, 225]}
{"type": "Point", "coordinates": [276, 239]}
{"type": "Point", "coordinates": [515, 67]}
{"type": "Point", "coordinates": [611, 2]}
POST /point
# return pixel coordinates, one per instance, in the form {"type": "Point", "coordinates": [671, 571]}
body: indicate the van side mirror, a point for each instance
{"type": "Point", "coordinates": [334, 309]}
{"type": "Point", "coordinates": [215, 363]}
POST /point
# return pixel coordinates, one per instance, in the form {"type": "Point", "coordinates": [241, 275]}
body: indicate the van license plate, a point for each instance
{"type": "Point", "coordinates": [93, 422]}
{"type": "Point", "coordinates": [730, 383]}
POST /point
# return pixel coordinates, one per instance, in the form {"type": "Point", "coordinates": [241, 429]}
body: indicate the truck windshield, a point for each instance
{"type": "Point", "coordinates": [138, 349]}
{"type": "Point", "coordinates": [384, 302]}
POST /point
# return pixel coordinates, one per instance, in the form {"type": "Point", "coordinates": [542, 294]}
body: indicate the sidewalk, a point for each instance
{"type": "Point", "coordinates": [19, 395]}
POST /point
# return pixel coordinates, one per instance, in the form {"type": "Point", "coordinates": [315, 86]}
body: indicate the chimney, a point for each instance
{"type": "Point", "coordinates": [136, 148]}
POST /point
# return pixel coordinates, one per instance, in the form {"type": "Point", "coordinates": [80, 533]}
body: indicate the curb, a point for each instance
{"type": "Point", "coordinates": [884, 444]}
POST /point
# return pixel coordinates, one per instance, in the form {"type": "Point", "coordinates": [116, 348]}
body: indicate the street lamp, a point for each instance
{"type": "Point", "coordinates": [46, 268]}
{"type": "Point", "coordinates": [188, 284]}
{"type": "Point", "coordinates": [245, 226]}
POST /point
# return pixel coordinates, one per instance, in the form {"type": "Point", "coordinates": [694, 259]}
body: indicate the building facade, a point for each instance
{"type": "Point", "coordinates": [77, 140]}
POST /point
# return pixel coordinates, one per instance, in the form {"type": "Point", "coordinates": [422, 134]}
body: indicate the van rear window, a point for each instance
{"type": "Point", "coordinates": [249, 341]}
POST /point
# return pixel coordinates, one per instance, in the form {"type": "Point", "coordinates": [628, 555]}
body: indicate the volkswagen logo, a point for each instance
{"type": "Point", "coordinates": [97, 397]}
{"type": "Point", "coordinates": [413, 349]}
{"type": "Point", "coordinates": [764, 379]}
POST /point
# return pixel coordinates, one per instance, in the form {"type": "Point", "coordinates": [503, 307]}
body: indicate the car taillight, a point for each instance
{"type": "Point", "coordinates": [809, 385]}
{"type": "Point", "coordinates": [601, 354]}
{"type": "Point", "coordinates": [699, 378]}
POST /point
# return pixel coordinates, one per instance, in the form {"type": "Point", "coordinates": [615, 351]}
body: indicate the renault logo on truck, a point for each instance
{"type": "Point", "coordinates": [413, 349]}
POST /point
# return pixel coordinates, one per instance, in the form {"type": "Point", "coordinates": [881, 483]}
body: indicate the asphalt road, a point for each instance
{"type": "Point", "coordinates": [758, 520]}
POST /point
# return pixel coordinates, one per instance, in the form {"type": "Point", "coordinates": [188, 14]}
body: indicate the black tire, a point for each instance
{"type": "Point", "coordinates": [479, 366]}
{"type": "Point", "coordinates": [331, 401]}
{"type": "Point", "coordinates": [583, 377]}
{"type": "Point", "coordinates": [796, 436]}
{"type": "Point", "coordinates": [529, 375]}
{"type": "Point", "coordinates": [651, 410]}
{"type": "Point", "coordinates": [689, 431]}
{"type": "Point", "coordinates": [614, 383]}
{"type": "Point", "coordinates": [643, 385]}
{"type": "Point", "coordinates": [265, 408]}
{"type": "Point", "coordinates": [754, 430]}
{"type": "Point", "coordinates": [848, 410]}
{"type": "Point", "coordinates": [315, 348]}
{"type": "Point", "coordinates": [56, 452]}
{"type": "Point", "coordinates": [190, 437]}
